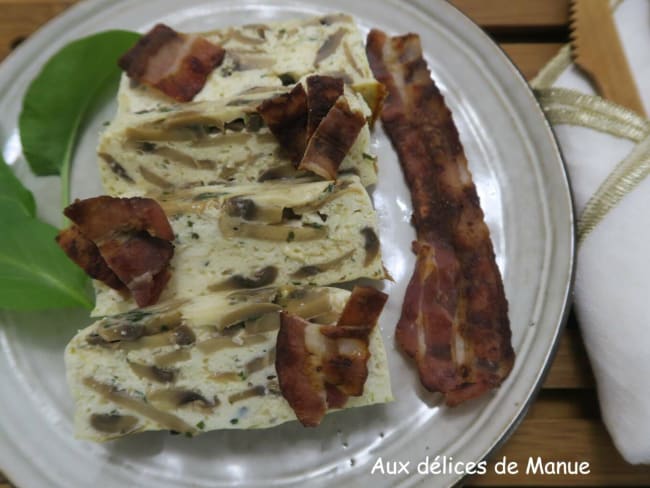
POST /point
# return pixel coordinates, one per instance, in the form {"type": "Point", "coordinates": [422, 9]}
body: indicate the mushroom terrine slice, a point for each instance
{"type": "Point", "coordinates": [199, 364]}
{"type": "Point", "coordinates": [240, 237]}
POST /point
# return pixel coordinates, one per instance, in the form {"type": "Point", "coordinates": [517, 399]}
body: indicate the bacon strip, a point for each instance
{"type": "Point", "coordinates": [317, 127]}
{"type": "Point", "coordinates": [454, 320]}
{"type": "Point", "coordinates": [319, 366]}
{"type": "Point", "coordinates": [176, 64]}
{"type": "Point", "coordinates": [123, 242]}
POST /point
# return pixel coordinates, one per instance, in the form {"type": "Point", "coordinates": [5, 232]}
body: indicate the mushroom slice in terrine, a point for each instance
{"type": "Point", "coordinates": [251, 236]}
{"type": "Point", "coordinates": [199, 364]}
{"type": "Point", "coordinates": [202, 143]}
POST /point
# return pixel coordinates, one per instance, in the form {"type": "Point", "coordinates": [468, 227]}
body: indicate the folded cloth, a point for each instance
{"type": "Point", "coordinates": [607, 153]}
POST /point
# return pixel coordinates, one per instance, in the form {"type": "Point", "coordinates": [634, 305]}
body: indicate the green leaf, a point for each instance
{"type": "Point", "coordinates": [58, 99]}
{"type": "Point", "coordinates": [14, 197]}
{"type": "Point", "coordinates": [35, 274]}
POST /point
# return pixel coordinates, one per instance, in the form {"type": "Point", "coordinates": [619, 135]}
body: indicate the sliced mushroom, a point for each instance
{"type": "Point", "coordinates": [314, 269]}
{"type": "Point", "coordinates": [263, 277]}
{"type": "Point", "coordinates": [244, 61]}
{"type": "Point", "coordinates": [227, 377]}
{"type": "Point", "coordinates": [154, 178]}
{"type": "Point", "coordinates": [123, 399]}
{"type": "Point", "coordinates": [266, 323]}
{"type": "Point", "coordinates": [153, 373]}
{"type": "Point", "coordinates": [113, 423]}
{"type": "Point", "coordinates": [245, 312]}
{"type": "Point", "coordinates": [278, 173]}
{"type": "Point", "coordinates": [306, 303]}
{"type": "Point", "coordinates": [116, 167]}
{"type": "Point", "coordinates": [371, 245]}
{"type": "Point", "coordinates": [176, 156]}
{"type": "Point", "coordinates": [330, 46]}
{"type": "Point", "coordinates": [259, 363]}
{"type": "Point", "coordinates": [171, 358]}
{"type": "Point", "coordinates": [232, 227]}
{"type": "Point", "coordinates": [210, 346]}
{"type": "Point", "coordinates": [259, 390]}
{"type": "Point", "coordinates": [171, 399]}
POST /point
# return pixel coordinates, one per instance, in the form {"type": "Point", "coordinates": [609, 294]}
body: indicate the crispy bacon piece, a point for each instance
{"type": "Point", "coordinates": [84, 252]}
{"type": "Point", "coordinates": [317, 127]}
{"type": "Point", "coordinates": [286, 117]}
{"type": "Point", "coordinates": [323, 92]}
{"type": "Point", "coordinates": [319, 366]}
{"type": "Point", "coordinates": [332, 140]}
{"type": "Point", "coordinates": [176, 64]}
{"type": "Point", "coordinates": [454, 320]}
{"type": "Point", "coordinates": [124, 242]}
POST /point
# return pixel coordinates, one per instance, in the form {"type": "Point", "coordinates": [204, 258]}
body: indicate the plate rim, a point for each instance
{"type": "Point", "coordinates": [20, 56]}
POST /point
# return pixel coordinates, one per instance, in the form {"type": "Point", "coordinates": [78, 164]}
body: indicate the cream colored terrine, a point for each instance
{"type": "Point", "coordinates": [199, 364]}
{"type": "Point", "coordinates": [229, 237]}
{"type": "Point", "coordinates": [202, 143]}
{"type": "Point", "coordinates": [275, 55]}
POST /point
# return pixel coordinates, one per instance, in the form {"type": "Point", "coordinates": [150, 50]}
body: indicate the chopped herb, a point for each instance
{"type": "Point", "coordinates": [330, 188]}
{"type": "Point", "coordinates": [315, 225]}
{"type": "Point", "coordinates": [190, 223]}
{"type": "Point", "coordinates": [234, 421]}
{"type": "Point", "coordinates": [164, 328]}
{"type": "Point", "coordinates": [291, 236]}
{"type": "Point", "coordinates": [174, 432]}
{"type": "Point", "coordinates": [201, 425]}
{"type": "Point", "coordinates": [242, 375]}
{"type": "Point", "coordinates": [194, 235]}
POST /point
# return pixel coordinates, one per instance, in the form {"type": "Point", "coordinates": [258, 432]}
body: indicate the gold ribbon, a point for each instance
{"type": "Point", "coordinates": [625, 177]}
{"type": "Point", "coordinates": [564, 106]}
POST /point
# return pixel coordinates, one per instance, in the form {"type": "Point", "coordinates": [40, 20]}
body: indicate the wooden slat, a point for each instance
{"type": "Point", "coordinates": [564, 404]}
{"type": "Point", "coordinates": [571, 368]}
{"type": "Point", "coordinates": [531, 57]}
{"type": "Point", "coordinates": [572, 439]}
{"type": "Point", "coordinates": [21, 18]}
{"type": "Point", "coordinates": [516, 14]}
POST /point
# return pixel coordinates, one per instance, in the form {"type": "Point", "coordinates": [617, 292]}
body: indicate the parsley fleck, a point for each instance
{"type": "Point", "coordinates": [194, 235]}
{"type": "Point", "coordinates": [315, 225]}
{"type": "Point", "coordinates": [291, 236]}
{"type": "Point", "coordinates": [201, 425]}
{"type": "Point", "coordinates": [234, 421]}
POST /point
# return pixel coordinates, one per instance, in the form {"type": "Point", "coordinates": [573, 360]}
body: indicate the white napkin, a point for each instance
{"type": "Point", "coordinates": [612, 288]}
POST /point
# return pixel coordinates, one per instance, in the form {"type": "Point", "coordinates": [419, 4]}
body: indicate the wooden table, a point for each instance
{"type": "Point", "coordinates": [564, 422]}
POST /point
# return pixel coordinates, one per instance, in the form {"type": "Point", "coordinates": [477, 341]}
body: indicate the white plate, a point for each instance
{"type": "Point", "coordinates": [523, 189]}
